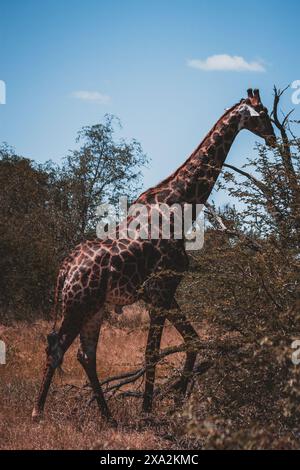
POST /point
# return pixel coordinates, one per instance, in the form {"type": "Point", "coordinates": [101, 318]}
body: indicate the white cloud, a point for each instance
{"type": "Point", "coordinates": [93, 96]}
{"type": "Point", "coordinates": [226, 62]}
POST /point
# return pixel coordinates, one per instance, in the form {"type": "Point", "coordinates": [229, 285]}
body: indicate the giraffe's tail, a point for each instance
{"type": "Point", "coordinates": [59, 285]}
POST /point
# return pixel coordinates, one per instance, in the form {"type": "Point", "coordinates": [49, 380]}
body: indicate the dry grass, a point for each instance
{"type": "Point", "coordinates": [231, 406]}
{"type": "Point", "coordinates": [70, 423]}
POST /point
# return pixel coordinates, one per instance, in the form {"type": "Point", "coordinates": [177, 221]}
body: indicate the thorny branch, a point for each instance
{"type": "Point", "coordinates": [263, 188]}
{"type": "Point", "coordinates": [254, 245]}
{"type": "Point", "coordinates": [133, 376]}
{"type": "Point", "coordinates": [254, 180]}
{"type": "Point", "coordinates": [285, 148]}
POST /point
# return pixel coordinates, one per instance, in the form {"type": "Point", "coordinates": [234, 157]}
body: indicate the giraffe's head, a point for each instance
{"type": "Point", "coordinates": [255, 117]}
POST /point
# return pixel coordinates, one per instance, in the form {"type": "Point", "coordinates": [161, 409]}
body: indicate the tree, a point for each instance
{"type": "Point", "coordinates": [271, 189]}
{"type": "Point", "coordinates": [103, 169]}
{"type": "Point", "coordinates": [245, 284]}
{"type": "Point", "coordinates": [27, 234]}
{"type": "Point", "coordinates": [46, 209]}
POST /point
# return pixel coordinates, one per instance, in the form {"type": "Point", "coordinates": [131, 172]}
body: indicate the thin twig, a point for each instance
{"type": "Point", "coordinates": [133, 376]}
{"type": "Point", "coordinates": [233, 233]}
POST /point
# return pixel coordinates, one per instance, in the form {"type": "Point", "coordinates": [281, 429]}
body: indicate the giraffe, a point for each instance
{"type": "Point", "coordinates": [123, 270]}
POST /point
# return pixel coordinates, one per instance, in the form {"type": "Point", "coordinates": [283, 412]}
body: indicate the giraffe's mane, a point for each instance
{"type": "Point", "coordinates": [173, 175]}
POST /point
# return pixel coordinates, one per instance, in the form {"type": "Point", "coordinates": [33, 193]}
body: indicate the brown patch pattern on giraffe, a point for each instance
{"type": "Point", "coordinates": [123, 270]}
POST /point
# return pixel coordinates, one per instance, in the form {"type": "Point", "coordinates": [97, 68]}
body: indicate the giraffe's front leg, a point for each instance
{"type": "Point", "coordinates": [38, 408]}
{"type": "Point", "coordinates": [58, 343]}
{"type": "Point", "coordinates": [157, 321]}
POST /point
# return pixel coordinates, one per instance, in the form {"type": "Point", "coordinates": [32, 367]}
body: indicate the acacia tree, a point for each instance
{"type": "Point", "coordinates": [243, 289]}
{"type": "Point", "coordinates": [270, 190]}
{"type": "Point", "coordinates": [245, 284]}
{"type": "Point", "coordinates": [101, 170]}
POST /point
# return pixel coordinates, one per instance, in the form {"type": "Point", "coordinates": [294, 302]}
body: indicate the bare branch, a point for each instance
{"type": "Point", "coordinates": [216, 216]}
{"type": "Point", "coordinates": [133, 376]}
{"type": "Point", "coordinates": [285, 150]}
{"type": "Point", "coordinates": [131, 379]}
{"type": "Point", "coordinates": [272, 207]}
{"type": "Point", "coordinates": [254, 245]}
{"type": "Point", "coordinates": [287, 117]}
{"type": "Point", "coordinates": [269, 294]}
{"type": "Point", "coordinates": [254, 180]}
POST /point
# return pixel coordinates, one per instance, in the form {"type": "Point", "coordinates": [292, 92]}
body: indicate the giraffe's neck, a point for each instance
{"type": "Point", "coordinates": [193, 181]}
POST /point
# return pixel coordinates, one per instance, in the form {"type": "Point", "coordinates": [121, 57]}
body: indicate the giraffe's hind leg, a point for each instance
{"type": "Point", "coordinates": [159, 293]}
{"type": "Point", "coordinates": [157, 321]}
{"type": "Point", "coordinates": [58, 343]}
{"type": "Point", "coordinates": [190, 337]}
{"type": "Point", "coordinates": [89, 335]}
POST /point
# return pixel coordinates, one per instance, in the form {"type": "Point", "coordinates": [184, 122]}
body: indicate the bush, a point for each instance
{"type": "Point", "coordinates": [245, 282]}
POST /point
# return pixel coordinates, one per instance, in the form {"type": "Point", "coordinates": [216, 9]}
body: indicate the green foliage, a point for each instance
{"type": "Point", "coordinates": [27, 241]}
{"type": "Point", "coordinates": [245, 282]}
{"type": "Point", "coordinates": [102, 170]}
{"type": "Point", "coordinates": [46, 209]}
{"type": "Point", "coordinates": [243, 286]}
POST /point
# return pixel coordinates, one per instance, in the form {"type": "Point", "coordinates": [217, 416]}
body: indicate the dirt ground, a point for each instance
{"type": "Point", "coordinates": [71, 421]}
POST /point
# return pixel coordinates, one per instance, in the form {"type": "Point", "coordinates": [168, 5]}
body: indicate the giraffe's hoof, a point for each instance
{"type": "Point", "coordinates": [36, 415]}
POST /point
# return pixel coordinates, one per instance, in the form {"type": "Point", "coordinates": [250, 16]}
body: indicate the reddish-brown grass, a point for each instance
{"type": "Point", "coordinates": [69, 421]}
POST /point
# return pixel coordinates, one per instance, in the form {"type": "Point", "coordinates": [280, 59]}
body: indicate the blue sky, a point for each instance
{"type": "Point", "coordinates": [67, 63]}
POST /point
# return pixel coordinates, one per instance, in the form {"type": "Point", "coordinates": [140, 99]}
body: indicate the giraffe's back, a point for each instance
{"type": "Point", "coordinates": [115, 271]}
